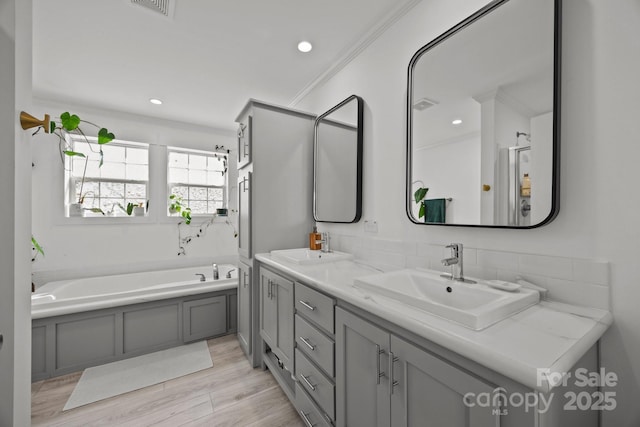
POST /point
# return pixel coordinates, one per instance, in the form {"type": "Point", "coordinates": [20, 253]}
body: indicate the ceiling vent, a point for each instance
{"type": "Point", "coordinates": [163, 7]}
{"type": "Point", "coordinates": [423, 104]}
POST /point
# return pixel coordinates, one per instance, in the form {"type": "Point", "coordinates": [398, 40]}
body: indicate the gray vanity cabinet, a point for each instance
{"type": "Point", "coordinates": [276, 316]}
{"type": "Point", "coordinates": [244, 211]}
{"type": "Point", "coordinates": [275, 195]}
{"type": "Point", "coordinates": [382, 380]}
{"type": "Point", "coordinates": [244, 307]}
{"type": "Point", "coordinates": [244, 142]}
{"type": "Point", "coordinates": [425, 387]}
{"type": "Point", "coordinates": [362, 396]}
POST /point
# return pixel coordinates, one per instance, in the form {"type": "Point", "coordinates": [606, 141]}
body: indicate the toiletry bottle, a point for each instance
{"type": "Point", "coordinates": [314, 236]}
{"type": "Point", "coordinates": [525, 188]}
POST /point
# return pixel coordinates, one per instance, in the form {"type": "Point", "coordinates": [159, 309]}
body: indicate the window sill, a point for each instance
{"type": "Point", "coordinates": [106, 220]}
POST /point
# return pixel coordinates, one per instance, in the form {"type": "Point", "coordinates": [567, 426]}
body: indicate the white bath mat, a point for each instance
{"type": "Point", "coordinates": [123, 376]}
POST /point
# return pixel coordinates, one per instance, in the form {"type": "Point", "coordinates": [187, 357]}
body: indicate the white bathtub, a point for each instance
{"type": "Point", "coordinates": [72, 296]}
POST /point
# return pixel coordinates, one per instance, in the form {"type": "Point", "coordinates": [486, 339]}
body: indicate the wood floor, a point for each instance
{"type": "Point", "coordinates": [230, 393]}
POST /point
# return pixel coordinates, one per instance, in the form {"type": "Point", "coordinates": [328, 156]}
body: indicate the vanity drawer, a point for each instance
{"type": "Point", "coordinates": [315, 344]}
{"type": "Point", "coordinates": [319, 387]}
{"type": "Point", "coordinates": [315, 306]}
{"type": "Point", "coordinates": [310, 413]}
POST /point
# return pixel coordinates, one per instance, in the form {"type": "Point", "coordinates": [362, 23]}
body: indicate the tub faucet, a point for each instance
{"type": "Point", "coordinates": [326, 242]}
{"type": "Point", "coordinates": [202, 278]}
{"type": "Point", "coordinates": [229, 273]}
{"type": "Point", "coordinates": [216, 274]}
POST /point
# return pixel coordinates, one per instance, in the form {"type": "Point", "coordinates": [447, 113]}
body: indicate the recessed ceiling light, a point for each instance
{"type": "Point", "coordinates": [155, 101]}
{"type": "Point", "coordinates": [304, 46]}
{"type": "Point", "coordinates": [456, 122]}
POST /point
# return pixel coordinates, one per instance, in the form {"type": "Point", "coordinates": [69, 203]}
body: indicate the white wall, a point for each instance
{"type": "Point", "coordinates": [459, 181]}
{"type": "Point", "coordinates": [598, 216]}
{"type": "Point", "coordinates": [89, 248]}
{"type": "Point", "coordinates": [15, 192]}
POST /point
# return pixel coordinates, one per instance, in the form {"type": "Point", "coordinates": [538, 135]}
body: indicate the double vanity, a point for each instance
{"type": "Point", "coordinates": [352, 345]}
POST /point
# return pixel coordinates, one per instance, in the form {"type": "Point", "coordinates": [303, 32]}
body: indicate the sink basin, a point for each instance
{"type": "Point", "coordinates": [306, 256]}
{"type": "Point", "coordinates": [475, 306]}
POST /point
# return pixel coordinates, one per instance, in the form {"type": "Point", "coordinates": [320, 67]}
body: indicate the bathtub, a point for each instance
{"type": "Point", "coordinates": [92, 293]}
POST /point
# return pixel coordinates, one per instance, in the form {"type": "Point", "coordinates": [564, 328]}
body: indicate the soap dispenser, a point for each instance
{"type": "Point", "coordinates": [525, 188]}
{"type": "Point", "coordinates": [314, 237]}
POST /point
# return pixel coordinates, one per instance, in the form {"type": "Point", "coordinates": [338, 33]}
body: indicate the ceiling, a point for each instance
{"type": "Point", "coordinates": [204, 61]}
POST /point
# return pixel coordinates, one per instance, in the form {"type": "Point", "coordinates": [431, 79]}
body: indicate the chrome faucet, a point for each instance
{"type": "Point", "coordinates": [456, 263]}
{"type": "Point", "coordinates": [326, 239]}
{"type": "Point", "coordinates": [202, 278]}
{"type": "Point", "coordinates": [216, 274]}
{"type": "Point", "coordinates": [228, 276]}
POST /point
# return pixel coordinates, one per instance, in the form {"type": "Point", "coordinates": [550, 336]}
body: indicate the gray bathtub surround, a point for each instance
{"type": "Point", "coordinates": [72, 342]}
{"type": "Point", "coordinates": [575, 281]}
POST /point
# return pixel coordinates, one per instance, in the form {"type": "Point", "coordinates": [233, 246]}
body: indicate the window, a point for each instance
{"type": "Point", "coordinates": [199, 177]}
{"type": "Point", "coordinates": [123, 177]}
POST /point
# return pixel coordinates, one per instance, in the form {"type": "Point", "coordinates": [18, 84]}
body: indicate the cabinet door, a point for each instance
{"type": "Point", "coordinates": [204, 318]}
{"type": "Point", "coordinates": [268, 310]}
{"type": "Point", "coordinates": [283, 295]}
{"type": "Point", "coordinates": [244, 142]}
{"type": "Point", "coordinates": [244, 214]}
{"type": "Point", "coordinates": [362, 386]}
{"type": "Point", "coordinates": [427, 388]}
{"type": "Point", "coordinates": [244, 307]}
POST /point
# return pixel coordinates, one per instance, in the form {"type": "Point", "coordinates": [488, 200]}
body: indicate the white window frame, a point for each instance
{"type": "Point", "coordinates": [70, 184]}
{"type": "Point", "coordinates": [224, 187]}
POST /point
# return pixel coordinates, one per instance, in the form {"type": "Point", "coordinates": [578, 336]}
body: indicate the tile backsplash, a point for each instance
{"type": "Point", "coordinates": [569, 280]}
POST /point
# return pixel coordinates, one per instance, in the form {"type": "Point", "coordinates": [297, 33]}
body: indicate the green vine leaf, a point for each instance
{"type": "Point", "coordinates": [422, 211]}
{"type": "Point", "coordinates": [52, 126]}
{"type": "Point", "coordinates": [73, 153]}
{"type": "Point", "coordinates": [69, 121]}
{"type": "Point", "coordinates": [37, 246]}
{"type": "Point", "coordinates": [104, 136]}
{"type": "Point", "coordinates": [95, 210]}
{"type": "Point", "coordinates": [420, 194]}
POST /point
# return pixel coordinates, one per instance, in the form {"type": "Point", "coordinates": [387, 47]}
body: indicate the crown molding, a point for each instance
{"type": "Point", "coordinates": [350, 53]}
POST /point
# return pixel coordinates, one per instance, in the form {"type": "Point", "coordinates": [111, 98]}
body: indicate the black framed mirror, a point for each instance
{"type": "Point", "coordinates": [483, 115]}
{"type": "Point", "coordinates": [337, 163]}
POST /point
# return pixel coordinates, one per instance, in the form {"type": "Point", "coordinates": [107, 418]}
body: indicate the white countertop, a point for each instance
{"type": "Point", "coordinates": [550, 336]}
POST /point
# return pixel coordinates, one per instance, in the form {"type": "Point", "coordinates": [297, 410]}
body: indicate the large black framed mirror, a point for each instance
{"type": "Point", "coordinates": [483, 115]}
{"type": "Point", "coordinates": [337, 163]}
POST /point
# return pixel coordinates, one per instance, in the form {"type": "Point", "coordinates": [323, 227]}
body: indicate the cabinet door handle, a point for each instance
{"type": "Point", "coordinates": [245, 275]}
{"type": "Point", "coordinates": [379, 374]}
{"type": "Point", "coordinates": [306, 419]}
{"type": "Point", "coordinates": [307, 343]}
{"type": "Point", "coordinates": [392, 383]}
{"type": "Point", "coordinates": [310, 307]}
{"type": "Point", "coordinates": [306, 380]}
{"type": "Point", "coordinates": [269, 288]}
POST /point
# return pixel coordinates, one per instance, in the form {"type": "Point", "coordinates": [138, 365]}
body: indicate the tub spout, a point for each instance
{"type": "Point", "coordinates": [202, 278]}
{"type": "Point", "coordinates": [229, 273]}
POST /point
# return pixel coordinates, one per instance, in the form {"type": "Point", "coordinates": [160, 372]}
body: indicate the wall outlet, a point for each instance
{"type": "Point", "coordinates": [370, 226]}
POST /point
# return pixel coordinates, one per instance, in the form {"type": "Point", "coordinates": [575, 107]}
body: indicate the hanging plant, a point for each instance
{"type": "Point", "coordinates": [69, 124]}
{"type": "Point", "coordinates": [419, 196]}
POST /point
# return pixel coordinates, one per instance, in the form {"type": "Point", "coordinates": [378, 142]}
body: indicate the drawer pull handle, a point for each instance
{"type": "Point", "coordinates": [310, 307]}
{"type": "Point", "coordinates": [306, 380]}
{"type": "Point", "coordinates": [307, 343]}
{"type": "Point", "coordinates": [306, 419]}
{"type": "Point", "coordinates": [392, 382]}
